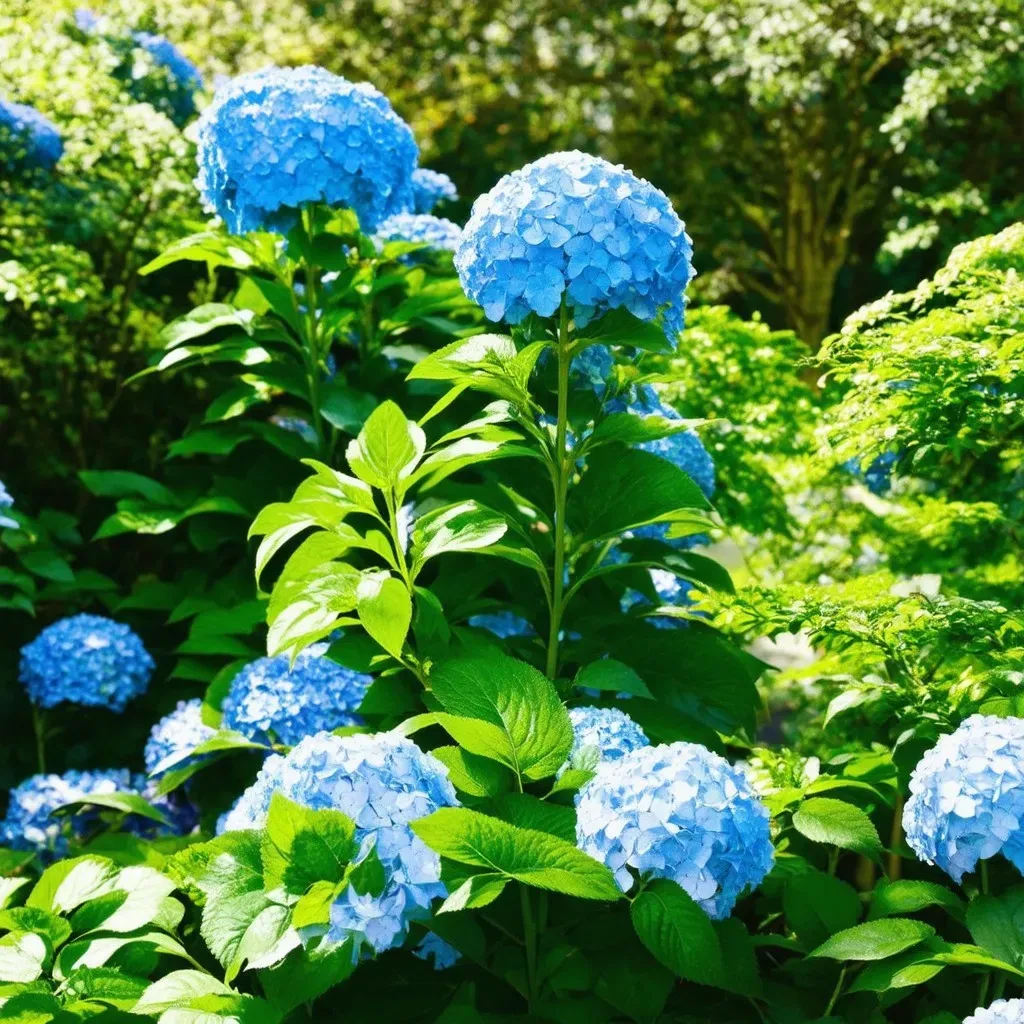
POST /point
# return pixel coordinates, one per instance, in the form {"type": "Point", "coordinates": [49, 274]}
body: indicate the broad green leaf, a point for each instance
{"type": "Point", "coordinates": [388, 447]}
{"type": "Point", "coordinates": [126, 803]}
{"type": "Point", "coordinates": [526, 855]}
{"type": "Point", "coordinates": [211, 247]}
{"type": "Point", "coordinates": [611, 676]}
{"type": "Point", "coordinates": [176, 988]}
{"type": "Point", "coordinates": [620, 327]}
{"type": "Point", "coordinates": [314, 906]}
{"type": "Point", "coordinates": [267, 940]}
{"type": "Point", "coordinates": [530, 723]}
{"type": "Point", "coordinates": [526, 811]}
{"type": "Point", "coordinates": [95, 950]}
{"type": "Point", "coordinates": [915, 967]}
{"type": "Point", "coordinates": [679, 934]}
{"type": "Point", "coordinates": [996, 923]}
{"type": "Point", "coordinates": [30, 1007]}
{"type": "Point", "coordinates": [465, 526]}
{"type": "Point", "coordinates": [120, 484]}
{"type": "Point", "coordinates": [385, 610]}
{"type": "Point", "coordinates": [306, 974]}
{"type": "Point", "coordinates": [202, 320]}
{"type": "Point", "coordinates": [823, 820]}
{"type": "Point", "coordinates": [475, 892]}
{"type": "Point", "coordinates": [10, 887]}
{"type": "Point", "coordinates": [965, 955]}
{"type": "Point", "coordinates": [477, 776]}
{"type": "Point", "coordinates": [818, 905]}
{"type": "Point", "coordinates": [21, 956]}
{"type": "Point", "coordinates": [140, 897]}
{"type": "Point", "coordinates": [35, 919]}
{"type": "Point", "coordinates": [905, 896]}
{"type": "Point", "coordinates": [345, 407]}
{"type": "Point", "coordinates": [218, 1008]}
{"type": "Point", "coordinates": [104, 985]}
{"type": "Point", "coordinates": [625, 428]}
{"type": "Point", "coordinates": [875, 940]}
{"type": "Point", "coordinates": [69, 883]}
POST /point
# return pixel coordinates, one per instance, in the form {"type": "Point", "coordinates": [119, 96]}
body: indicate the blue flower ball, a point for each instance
{"type": "Point", "coordinates": [434, 948]}
{"type": "Point", "coordinates": [272, 697]}
{"type": "Point", "coordinates": [574, 225]}
{"type": "Point", "coordinates": [592, 369]}
{"type": "Point", "coordinates": [27, 138]}
{"type": "Point", "coordinates": [166, 55]}
{"type": "Point", "coordinates": [6, 502]}
{"type": "Point", "coordinates": [967, 797]}
{"type": "Point", "coordinates": [436, 232]}
{"type": "Point", "coordinates": [679, 812]}
{"type": "Point", "coordinates": [174, 93]}
{"type": "Point", "coordinates": [878, 476]}
{"type": "Point", "coordinates": [502, 624]}
{"type": "Point", "coordinates": [430, 188]}
{"type": "Point", "coordinates": [382, 783]}
{"type": "Point", "coordinates": [85, 659]}
{"type": "Point", "coordinates": [175, 735]}
{"type": "Point", "coordinates": [1001, 1011]}
{"type": "Point", "coordinates": [672, 590]}
{"type": "Point", "coordinates": [274, 140]}
{"type": "Point", "coordinates": [609, 731]}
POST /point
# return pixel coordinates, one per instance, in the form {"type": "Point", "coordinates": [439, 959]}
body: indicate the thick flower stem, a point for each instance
{"type": "Point", "coordinates": [312, 347]}
{"type": "Point", "coordinates": [562, 470]}
{"type": "Point", "coordinates": [39, 727]}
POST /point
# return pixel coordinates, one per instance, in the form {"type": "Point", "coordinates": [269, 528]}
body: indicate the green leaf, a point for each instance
{"type": "Point", "coordinates": [48, 564]}
{"type": "Point", "coordinates": [906, 896]}
{"type": "Point", "coordinates": [477, 776]}
{"type": "Point", "coordinates": [465, 526]}
{"type": "Point", "coordinates": [10, 887]}
{"type": "Point", "coordinates": [915, 967]}
{"type": "Point", "coordinates": [214, 248]}
{"type": "Point", "coordinates": [531, 732]}
{"type": "Point", "coordinates": [965, 955]}
{"type": "Point", "coordinates": [679, 934]}
{"type": "Point", "coordinates": [996, 923]}
{"type": "Point", "coordinates": [140, 897]}
{"type": "Point", "coordinates": [118, 484]}
{"type": "Point", "coordinates": [30, 1008]}
{"type": "Point", "coordinates": [21, 956]}
{"type": "Point", "coordinates": [818, 905]}
{"type": "Point", "coordinates": [306, 974]}
{"type": "Point", "coordinates": [611, 676]}
{"type": "Point", "coordinates": [385, 610]}
{"type": "Point", "coordinates": [69, 883]}
{"type": "Point", "coordinates": [345, 407]}
{"type": "Point", "coordinates": [526, 811]}
{"type": "Point", "coordinates": [608, 501]}
{"type": "Point", "coordinates": [620, 327]}
{"type": "Point", "coordinates": [104, 985]}
{"type": "Point", "coordinates": [126, 803]}
{"type": "Point", "coordinates": [526, 855]}
{"type": "Point", "coordinates": [475, 892]}
{"type": "Point", "coordinates": [823, 820]}
{"type": "Point", "coordinates": [35, 919]}
{"type": "Point", "coordinates": [301, 846]}
{"type": "Point", "coordinates": [176, 989]}
{"type": "Point", "coordinates": [97, 950]}
{"type": "Point", "coordinates": [314, 906]}
{"type": "Point", "coordinates": [626, 428]}
{"type": "Point", "coordinates": [202, 320]}
{"type": "Point", "coordinates": [874, 940]}
{"type": "Point", "coordinates": [388, 448]}
{"type": "Point", "coordinates": [222, 1009]}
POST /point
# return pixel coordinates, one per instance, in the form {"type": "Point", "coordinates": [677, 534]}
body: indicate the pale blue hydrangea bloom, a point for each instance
{"type": "Point", "coordinates": [503, 624]}
{"type": "Point", "coordinates": [439, 234]}
{"type": "Point", "coordinates": [166, 55]}
{"type": "Point", "coordinates": [30, 823]}
{"type": "Point", "coordinates": [967, 797]}
{"type": "Point", "coordinates": [175, 735]}
{"type": "Point", "coordinates": [681, 812]}
{"type": "Point", "coordinates": [27, 138]}
{"type": "Point", "coordinates": [277, 139]}
{"type": "Point", "coordinates": [672, 590]}
{"type": "Point", "coordinates": [430, 188]}
{"type": "Point", "coordinates": [575, 225]}
{"type": "Point", "coordinates": [434, 949]}
{"type": "Point", "coordinates": [6, 502]}
{"type": "Point", "coordinates": [592, 369]}
{"type": "Point", "coordinates": [271, 695]}
{"type": "Point", "coordinates": [382, 783]}
{"type": "Point", "coordinates": [609, 731]}
{"type": "Point", "coordinates": [86, 20]}
{"type": "Point", "coordinates": [295, 425]}
{"type": "Point", "coordinates": [174, 94]}
{"type": "Point", "coordinates": [1002, 1011]}
{"type": "Point", "coordinates": [878, 476]}
{"type": "Point", "coordinates": [85, 659]}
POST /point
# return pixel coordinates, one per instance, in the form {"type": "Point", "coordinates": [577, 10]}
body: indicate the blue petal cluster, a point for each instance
{"type": "Point", "coordinates": [276, 139]}
{"type": "Point", "coordinates": [679, 812]}
{"type": "Point", "coordinates": [6, 502]}
{"type": "Point", "coordinates": [608, 730]}
{"type": "Point", "coordinates": [175, 735]}
{"type": "Point", "coordinates": [382, 783]}
{"type": "Point", "coordinates": [1002, 1011]}
{"type": "Point", "coordinates": [878, 476]}
{"type": "Point", "coordinates": [30, 823]}
{"type": "Point", "coordinates": [574, 225]}
{"type": "Point", "coordinates": [175, 94]}
{"type": "Point", "coordinates": [430, 188]}
{"type": "Point", "coordinates": [272, 696]}
{"type": "Point", "coordinates": [86, 20]}
{"type": "Point", "coordinates": [27, 138]}
{"type": "Point", "coordinates": [434, 948]}
{"type": "Point", "coordinates": [967, 797]}
{"type": "Point", "coordinates": [85, 659]}
{"type": "Point", "coordinates": [671, 589]}
{"type": "Point", "coordinates": [440, 234]}
{"type": "Point", "coordinates": [504, 624]}
{"type": "Point", "coordinates": [295, 425]}
{"type": "Point", "coordinates": [166, 55]}
{"type": "Point", "coordinates": [592, 369]}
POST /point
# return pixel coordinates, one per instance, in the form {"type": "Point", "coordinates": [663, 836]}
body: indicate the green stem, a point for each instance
{"type": "Point", "coordinates": [39, 727]}
{"type": "Point", "coordinates": [530, 942]}
{"type": "Point", "coordinates": [403, 566]}
{"type": "Point", "coordinates": [562, 470]}
{"type": "Point", "coordinates": [836, 992]}
{"type": "Point", "coordinates": [1000, 986]}
{"type": "Point", "coordinates": [983, 870]}
{"type": "Point", "coordinates": [833, 860]}
{"type": "Point", "coordinates": [311, 349]}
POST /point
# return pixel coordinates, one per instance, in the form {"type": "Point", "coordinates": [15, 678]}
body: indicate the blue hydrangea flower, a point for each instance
{"type": "Point", "coordinates": [86, 659]}
{"type": "Point", "coordinates": [503, 624]}
{"type": "Point", "coordinates": [272, 696]}
{"type": "Point", "coordinates": [30, 823]}
{"type": "Point", "coordinates": [1002, 1011]}
{"type": "Point", "coordinates": [440, 234]}
{"type": "Point", "coordinates": [967, 797]}
{"type": "Point", "coordinates": [575, 225]}
{"type": "Point", "coordinates": [430, 188]}
{"type": "Point", "coordinates": [295, 425]}
{"type": "Point", "coordinates": [672, 591]}
{"type": "Point", "coordinates": [86, 20]}
{"type": "Point", "coordinates": [382, 783]}
{"type": "Point", "coordinates": [680, 812]}
{"type": "Point", "coordinates": [273, 140]}
{"type": "Point", "coordinates": [27, 138]}
{"type": "Point", "coordinates": [166, 55]}
{"type": "Point", "coordinates": [592, 369]}
{"type": "Point", "coordinates": [175, 735]}
{"type": "Point", "coordinates": [6, 502]}
{"type": "Point", "coordinates": [878, 476]}
{"type": "Point", "coordinates": [434, 948]}
{"type": "Point", "coordinates": [611, 732]}
{"type": "Point", "coordinates": [173, 94]}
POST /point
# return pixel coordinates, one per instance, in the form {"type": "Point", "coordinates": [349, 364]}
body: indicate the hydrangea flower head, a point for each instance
{"type": "Point", "coordinates": [574, 225]}
{"type": "Point", "coordinates": [295, 425]}
{"type": "Point", "coordinates": [270, 695]}
{"type": "Point", "coordinates": [434, 948]}
{"type": "Point", "coordinates": [274, 140]}
{"type": "Point", "coordinates": [503, 624]}
{"type": "Point", "coordinates": [27, 138]}
{"type": "Point", "coordinates": [31, 824]}
{"type": "Point", "coordinates": [86, 20]}
{"type": "Point", "coordinates": [175, 735]}
{"type": "Point", "coordinates": [430, 188]}
{"type": "Point", "coordinates": [677, 811]}
{"type": "Point", "coordinates": [967, 797]}
{"type": "Point", "coordinates": [439, 234]}
{"type": "Point", "coordinates": [610, 731]}
{"type": "Point", "coordinates": [1002, 1011]}
{"type": "Point", "coordinates": [592, 369]}
{"type": "Point", "coordinates": [174, 93]}
{"type": "Point", "coordinates": [672, 590]}
{"type": "Point", "coordinates": [382, 783]}
{"type": "Point", "coordinates": [166, 55]}
{"type": "Point", "coordinates": [6, 502]}
{"type": "Point", "coordinates": [85, 659]}
{"type": "Point", "coordinates": [878, 476]}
